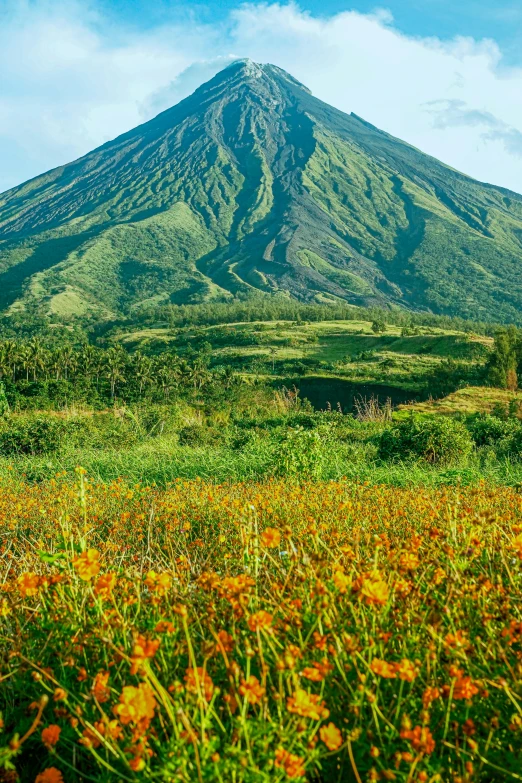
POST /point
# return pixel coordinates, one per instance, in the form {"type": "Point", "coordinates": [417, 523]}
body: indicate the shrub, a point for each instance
{"type": "Point", "coordinates": [511, 446]}
{"type": "Point", "coordinates": [490, 430]}
{"type": "Point", "coordinates": [4, 404]}
{"type": "Point", "coordinates": [299, 453]}
{"type": "Point", "coordinates": [198, 435]}
{"type": "Point", "coordinates": [38, 435]}
{"type": "Point", "coordinates": [437, 440]}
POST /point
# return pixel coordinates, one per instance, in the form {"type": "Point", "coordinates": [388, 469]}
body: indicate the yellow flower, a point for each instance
{"type": "Point", "coordinates": [372, 588]}
{"type": "Point", "coordinates": [143, 648]}
{"type": "Point", "coordinates": [28, 584]}
{"type": "Point", "coordinates": [409, 561]}
{"type": "Point", "coordinates": [406, 670]}
{"type": "Point", "coordinates": [270, 538]}
{"type": "Point", "coordinates": [5, 609]}
{"type": "Point", "coordinates": [158, 583]}
{"type": "Point", "coordinates": [331, 736]}
{"type": "Point", "coordinates": [307, 705]}
{"type": "Point", "coordinates": [341, 581]}
{"type": "Point", "coordinates": [87, 564]}
{"type": "Point", "coordinates": [383, 669]}
{"type": "Point", "coordinates": [136, 705]}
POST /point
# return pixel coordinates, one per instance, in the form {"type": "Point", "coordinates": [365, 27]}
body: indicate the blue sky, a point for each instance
{"type": "Point", "coordinates": [444, 18]}
{"type": "Point", "coordinates": [444, 76]}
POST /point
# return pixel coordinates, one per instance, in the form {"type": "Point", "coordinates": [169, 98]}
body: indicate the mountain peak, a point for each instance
{"type": "Point", "coordinates": [247, 69]}
{"type": "Point", "coordinates": [252, 184]}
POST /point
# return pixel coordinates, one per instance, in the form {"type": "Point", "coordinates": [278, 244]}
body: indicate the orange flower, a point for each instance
{"type": "Point", "coordinates": [270, 538]}
{"type": "Point", "coordinates": [421, 739]}
{"type": "Point", "coordinates": [165, 626]}
{"type": "Point", "coordinates": [317, 671]}
{"type": "Point", "coordinates": [464, 688]}
{"type": "Point", "coordinates": [429, 695]}
{"type": "Point", "coordinates": [513, 634]}
{"type": "Point", "coordinates": [458, 640]}
{"type": "Point", "coordinates": [383, 669]}
{"type": "Point", "coordinates": [225, 642]}
{"type": "Point", "coordinates": [28, 584]}
{"type": "Point", "coordinates": [331, 736]}
{"type": "Point", "coordinates": [439, 576]}
{"type": "Point", "coordinates": [143, 649]}
{"type": "Point", "coordinates": [90, 738]}
{"type": "Point", "coordinates": [51, 735]}
{"type": "Point", "coordinates": [251, 689]}
{"type": "Point", "coordinates": [136, 705]}
{"type": "Point", "coordinates": [49, 775]}
{"type": "Point", "coordinates": [158, 583]}
{"type": "Point", "coordinates": [105, 585]}
{"type": "Point", "coordinates": [87, 564]}
{"type": "Point", "coordinates": [99, 689]}
{"type": "Point", "coordinates": [409, 561]}
{"type": "Point", "coordinates": [406, 670]}
{"type": "Point", "coordinates": [292, 765]}
{"type": "Point", "coordinates": [260, 621]}
{"type": "Point", "coordinates": [307, 705]}
{"type": "Point", "coordinates": [198, 681]}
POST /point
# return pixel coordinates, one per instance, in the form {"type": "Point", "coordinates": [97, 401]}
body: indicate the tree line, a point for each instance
{"type": "Point", "coordinates": [109, 372]}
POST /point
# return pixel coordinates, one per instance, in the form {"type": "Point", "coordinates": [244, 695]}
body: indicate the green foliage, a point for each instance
{"type": "Point", "coordinates": [299, 453]}
{"type": "Point", "coordinates": [4, 403]}
{"type": "Point", "coordinates": [38, 435]}
{"type": "Point", "coordinates": [491, 430]}
{"type": "Point", "coordinates": [437, 440]}
{"type": "Point", "coordinates": [378, 326]}
{"type": "Point", "coordinates": [504, 360]}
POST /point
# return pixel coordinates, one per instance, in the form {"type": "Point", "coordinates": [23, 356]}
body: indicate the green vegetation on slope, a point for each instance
{"type": "Point", "coordinates": [253, 186]}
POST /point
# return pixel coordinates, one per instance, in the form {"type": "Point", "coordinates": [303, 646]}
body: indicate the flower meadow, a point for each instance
{"type": "Point", "coordinates": [279, 631]}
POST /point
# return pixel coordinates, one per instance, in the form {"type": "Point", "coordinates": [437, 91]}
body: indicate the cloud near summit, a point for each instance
{"type": "Point", "coordinates": [72, 79]}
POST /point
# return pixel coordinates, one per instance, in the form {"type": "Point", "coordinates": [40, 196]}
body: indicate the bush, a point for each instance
{"type": "Point", "coordinates": [511, 446]}
{"type": "Point", "coordinates": [199, 435]}
{"type": "Point", "coordinates": [39, 435]}
{"type": "Point", "coordinates": [490, 430]}
{"type": "Point", "coordinates": [299, 453]}
{"type": "Point", "coordinates": [437, 440]}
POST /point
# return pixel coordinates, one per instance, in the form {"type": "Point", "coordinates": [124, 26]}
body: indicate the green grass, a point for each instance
{"type": "Point", "coordinates": [330, 348]}
{"type": "Point", "coordinates": [161, 461]}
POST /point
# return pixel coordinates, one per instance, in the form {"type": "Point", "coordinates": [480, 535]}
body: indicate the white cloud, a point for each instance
{"type": "Point", "coordinates": [71, 81]}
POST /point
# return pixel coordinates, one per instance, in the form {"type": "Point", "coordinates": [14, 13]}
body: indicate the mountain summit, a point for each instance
{"type": "Point", "coordinates": [252, 184]}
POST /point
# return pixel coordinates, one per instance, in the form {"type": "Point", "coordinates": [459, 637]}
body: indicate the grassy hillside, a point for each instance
{"type": "Point", "coordinates": [253, 185]}
{"type": "Point", "coordinates": [344, 350]}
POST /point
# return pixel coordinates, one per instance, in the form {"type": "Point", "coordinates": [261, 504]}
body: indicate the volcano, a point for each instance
{"type": "Point", "coordinates": [253, 186]}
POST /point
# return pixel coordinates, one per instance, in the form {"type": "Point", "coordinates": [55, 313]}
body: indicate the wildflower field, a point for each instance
{"type": "Point", "coordinates": [320, 632]}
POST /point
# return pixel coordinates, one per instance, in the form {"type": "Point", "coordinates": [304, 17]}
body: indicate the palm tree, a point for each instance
{"type": "Point", "coordinates": [198, 374]}
{"type": "Point", "coordinates": [115, 361]}
{"type": "Point", "coordinates": [143, 370]}
{"type": "Point", "coordinates": [36, 356]}
{"type": "Point", "coordinates": [89, 360]}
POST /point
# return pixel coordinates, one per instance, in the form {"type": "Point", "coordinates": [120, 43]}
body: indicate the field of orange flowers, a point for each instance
{"type": "Point", "coordinates": [323, 632]}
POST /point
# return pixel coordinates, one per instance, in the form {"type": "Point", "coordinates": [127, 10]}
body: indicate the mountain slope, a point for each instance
{"type": "Point", "coordinates": [252, 184]}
